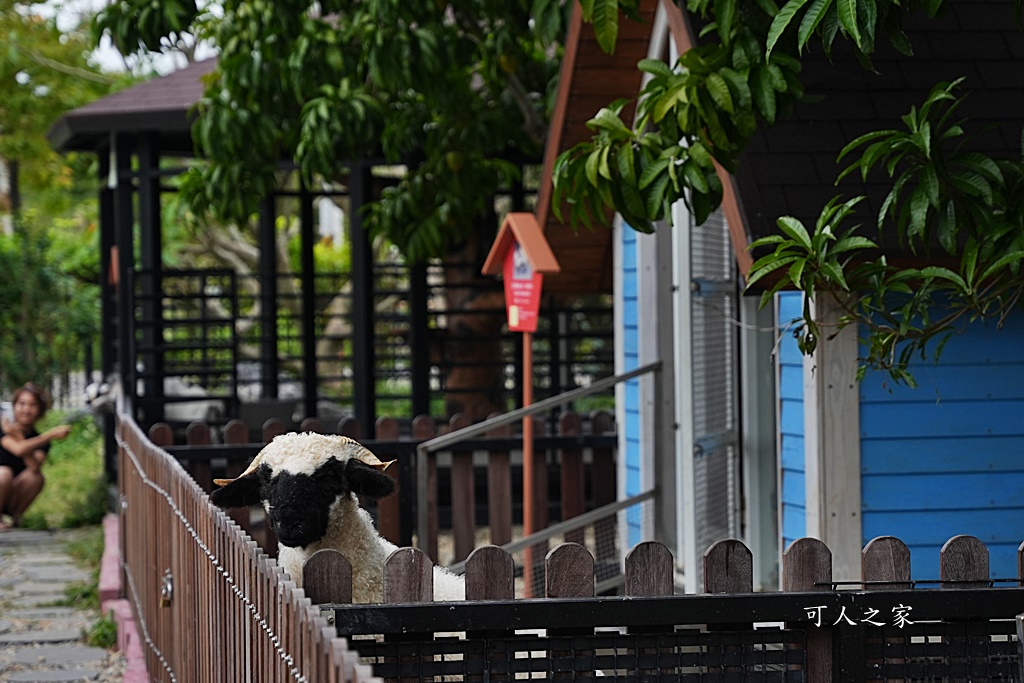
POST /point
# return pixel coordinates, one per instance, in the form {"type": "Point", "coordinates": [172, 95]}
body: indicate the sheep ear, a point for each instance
{"type": "Point", "coordinates": [368, 481]}
{"type": "Point", "coordinates": [237, 493]}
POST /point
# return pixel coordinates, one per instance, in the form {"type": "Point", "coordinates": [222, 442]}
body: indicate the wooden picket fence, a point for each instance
{"type": "Point", "coordinates": [582, 462]}
{"type": "Point", "coordinates": [210, 605]}
{"type": "Point", "coordinates": [885, 627]}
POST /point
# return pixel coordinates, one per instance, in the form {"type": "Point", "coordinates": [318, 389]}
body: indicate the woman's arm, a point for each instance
{"type": "Point", "coordinates": [21, 447]}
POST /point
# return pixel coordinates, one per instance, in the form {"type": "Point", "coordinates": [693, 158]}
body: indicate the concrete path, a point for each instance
{"type": "Point", "coordinates": [40, 642]}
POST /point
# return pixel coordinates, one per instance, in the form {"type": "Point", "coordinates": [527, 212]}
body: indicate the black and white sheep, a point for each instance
{"type": "Point", "coordinates": [308, 485]}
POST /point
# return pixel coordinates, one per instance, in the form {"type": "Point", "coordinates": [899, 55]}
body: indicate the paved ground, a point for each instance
{"type": "Point", "coordinates": [38, 641]}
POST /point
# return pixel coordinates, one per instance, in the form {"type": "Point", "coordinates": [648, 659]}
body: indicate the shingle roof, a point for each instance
{"type": "Point", "coordinates": [163, 105]}
{"type": "Point", "coordinates": [790, 168]}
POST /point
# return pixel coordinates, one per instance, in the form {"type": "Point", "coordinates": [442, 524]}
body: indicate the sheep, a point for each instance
{"type": "Point", "coordinates": [308, 485]}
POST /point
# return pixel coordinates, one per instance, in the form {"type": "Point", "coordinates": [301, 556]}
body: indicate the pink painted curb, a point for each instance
{"type": "Point", "coordinates": [128, 641]}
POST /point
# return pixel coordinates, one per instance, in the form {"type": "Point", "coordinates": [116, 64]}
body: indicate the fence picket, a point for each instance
{"type": "Point", "coordinates": [728, 568]}
{"type": "Point", "coordinates": [311, 424]}
{"type": "Point", "coordinates": [490, 574]}
{"type": "Point", "coordinates": [408, 576]}
{"type": "Point", "coordinates": [198, 434]}
{"type": "Point", "coordinates": [807, 566]}
{"type": "Point", "coordinates": [571, 424]}
{"type": "Point", "coordinates": [463, 496]}
{"type": "Point", "coordinates": [499, 490]}
{"type": "Point", "coordinates": [885, 562]}
{"type": "Point", "coordinates": [389, 520]}
{"type": "Point", "coordinates": [423, 428]}
{"type": "Point", "coordinates": [964, 563]}
{"type": "Point", "coordinates": [327, 577]}
{"type": "Point", "coordinates": [161, 434]}
{"type": "Point", "coordinates": [273, 428]}
{"type": "Point", "coordinates": [350, 427]}
{"type": "Point", "coordinates": [649, 570]}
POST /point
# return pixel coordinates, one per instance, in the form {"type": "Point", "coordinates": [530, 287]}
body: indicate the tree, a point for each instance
{"type": "Point", "coordinates": [456, 91]}
{"type": "Point", "coordinates": [746, 74]}
{"type": "Point", "coordinates": [44, 72]}
{"type": "Point", "coordinates": [49, 261]}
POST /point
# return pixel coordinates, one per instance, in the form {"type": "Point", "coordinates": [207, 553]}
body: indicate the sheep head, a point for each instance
{"type": "Point", "coordinates": [298, 478]}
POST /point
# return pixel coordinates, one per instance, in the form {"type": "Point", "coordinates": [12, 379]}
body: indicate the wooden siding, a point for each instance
{"type": "Point", "coordinates": [791, 423]}
{"type": "Point", "coordinates": [632, 421]}
{"type": "Point", "coordinates": [945, 458]}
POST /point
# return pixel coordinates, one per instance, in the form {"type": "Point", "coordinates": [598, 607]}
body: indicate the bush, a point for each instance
{"type": "Point", "coordinates": [75, 494]}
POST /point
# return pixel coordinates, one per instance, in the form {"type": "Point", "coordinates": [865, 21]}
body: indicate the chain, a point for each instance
{"type": "Point", "coordinates": [257, 617]}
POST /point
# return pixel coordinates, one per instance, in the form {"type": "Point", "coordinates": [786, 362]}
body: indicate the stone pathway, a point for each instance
{"type": "Point", "coordinates": [38, 641]}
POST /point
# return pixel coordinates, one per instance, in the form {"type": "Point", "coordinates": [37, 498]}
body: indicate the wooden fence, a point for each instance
{"type": "Point", "coordinates": [211, 606]}
{"type": "Point", "coordinates": [578, 475]}
{"type": "Point", "coordinates": [881, 627]}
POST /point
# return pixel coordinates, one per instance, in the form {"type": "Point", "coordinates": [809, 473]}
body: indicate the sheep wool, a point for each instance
{"type": "Point", "coordinates": [308, 485]}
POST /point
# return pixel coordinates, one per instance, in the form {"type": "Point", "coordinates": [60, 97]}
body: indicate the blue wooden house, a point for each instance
{"type": "Point", "coordinates": [739, 435]}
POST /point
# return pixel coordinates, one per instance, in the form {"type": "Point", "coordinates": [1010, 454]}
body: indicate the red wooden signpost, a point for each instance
{"type": "Point", "coordinates": [522, 254]}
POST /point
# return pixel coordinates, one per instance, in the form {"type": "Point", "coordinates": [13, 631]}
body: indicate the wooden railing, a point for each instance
{"type": "Point", "coordinates": [211, 606]}
{"type": "Point", "coordinates": [883, 626]}
{"type": "Point", "coordinates": [582, 459]}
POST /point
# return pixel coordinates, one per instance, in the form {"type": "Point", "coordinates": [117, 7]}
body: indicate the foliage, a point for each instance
{"type": "Point", "coordinates": [103, 632]}
{"type": "Point", "coordinates": [946, 202]}
{"type": "Point", "coordinates": [75, 494]}
{"type": "Point", "coordinates": [44, 72]}
{"type": "Point", "coordinates": [944, 198]}
{"type": "Point", "coordinates": [456, 91]}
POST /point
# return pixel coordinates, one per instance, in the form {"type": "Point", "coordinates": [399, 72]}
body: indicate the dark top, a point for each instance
{"type": "Point", "coordinates": [17, 465]}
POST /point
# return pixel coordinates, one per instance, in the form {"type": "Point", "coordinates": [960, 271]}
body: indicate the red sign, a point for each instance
{"type": "Point", "coordinates": [522, 291]}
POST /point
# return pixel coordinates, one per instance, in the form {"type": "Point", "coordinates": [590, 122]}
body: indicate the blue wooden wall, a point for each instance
{"type": "Point", "coordinates": [631, 352]}
{"type": "Point", "coordinates": [942, 459]}
{"type": "Point", "coordinates": [947, 458]}
{"type": "Point", "coordinates": [791, 423]}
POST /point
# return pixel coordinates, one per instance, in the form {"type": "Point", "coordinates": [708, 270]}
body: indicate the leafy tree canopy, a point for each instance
{"type": "Point", "coordinates": [458, 91]}
{"type": "Point", "coordinates": [702, 112]}
{"type": "Point", "coordinates": [44, 72]}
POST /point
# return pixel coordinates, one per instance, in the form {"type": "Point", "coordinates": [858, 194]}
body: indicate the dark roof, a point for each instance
{"type": "Point", "coordinates": [163, 105]}
{"type": "Point", "coordinates": [790, 168]}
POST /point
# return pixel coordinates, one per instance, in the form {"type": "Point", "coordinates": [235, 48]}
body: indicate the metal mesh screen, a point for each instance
{"type": "Point", "coordinates": [715, 433]}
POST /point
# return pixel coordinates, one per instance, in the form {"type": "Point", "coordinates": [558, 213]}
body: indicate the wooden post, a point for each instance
{"type": "Point", "coordinates": [528, 490]}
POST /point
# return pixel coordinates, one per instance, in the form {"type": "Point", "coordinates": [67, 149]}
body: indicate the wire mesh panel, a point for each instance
{"type": "Point", "coordinates": [680, 655]}
{"type": "Point", "coordinates": [715, 489]}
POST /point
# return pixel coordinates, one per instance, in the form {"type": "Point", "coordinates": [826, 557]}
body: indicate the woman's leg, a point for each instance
{"type": "Point", "coordinates": [24, 489]}
{"type": "Point", "coordinates": [6, 488]}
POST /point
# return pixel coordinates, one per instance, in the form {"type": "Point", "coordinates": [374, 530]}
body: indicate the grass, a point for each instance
{"type": "Point", "coordinates": [75, 494]}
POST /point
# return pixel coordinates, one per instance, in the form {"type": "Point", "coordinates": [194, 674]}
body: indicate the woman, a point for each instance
{"type": "Point", "coordinates": [22, 452]}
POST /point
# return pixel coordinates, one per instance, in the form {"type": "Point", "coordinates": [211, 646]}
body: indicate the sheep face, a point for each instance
{"type": "Point", "coordinates": [299, 478]}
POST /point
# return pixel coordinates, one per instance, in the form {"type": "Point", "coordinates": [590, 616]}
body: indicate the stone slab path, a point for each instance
{"type": "Point", "coordinates": [41, 642]}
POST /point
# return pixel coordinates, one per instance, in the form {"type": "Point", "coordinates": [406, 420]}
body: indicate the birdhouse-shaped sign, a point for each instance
{"type": "Point", "coordinates": [522, 254]}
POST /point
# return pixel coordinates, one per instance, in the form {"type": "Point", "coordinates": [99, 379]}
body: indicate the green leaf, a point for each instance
{"type": "Point", "coordinates": [940, 273]}
{"type": "Point", "coordinates": [605, 17]}
{"type": "Point", "coordinates": [764, 94]}
{"type": "Point", "coordinates": [852, 243]}
{"type": "Point", "coordinates": [781, 21]}
{"type": "Point", "coordinates": [606, 119]}
{"type": "Point", "coordinates": [720, 92]}
{"type": "Point", "coordinates": [656, 196]}
{"type": "Point", "coordinates": [725, 11]}
{"type": "Point", "coordinates": [648, 175]}
{"type": "Point", "coordinates": [795, 229]}
{"type": "Point", "coordinates": [655, 67]}
{"type": "Point", "coordinates": [756, 274]}
{"type": "Point", "coordinates": [815, 13]}
{"type": "Point", "coordinates": [625, 159]}
{"type": "Point", "coordinates": [1007, 259]}
{"type": "Point", "coordinates": [848, 18]}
